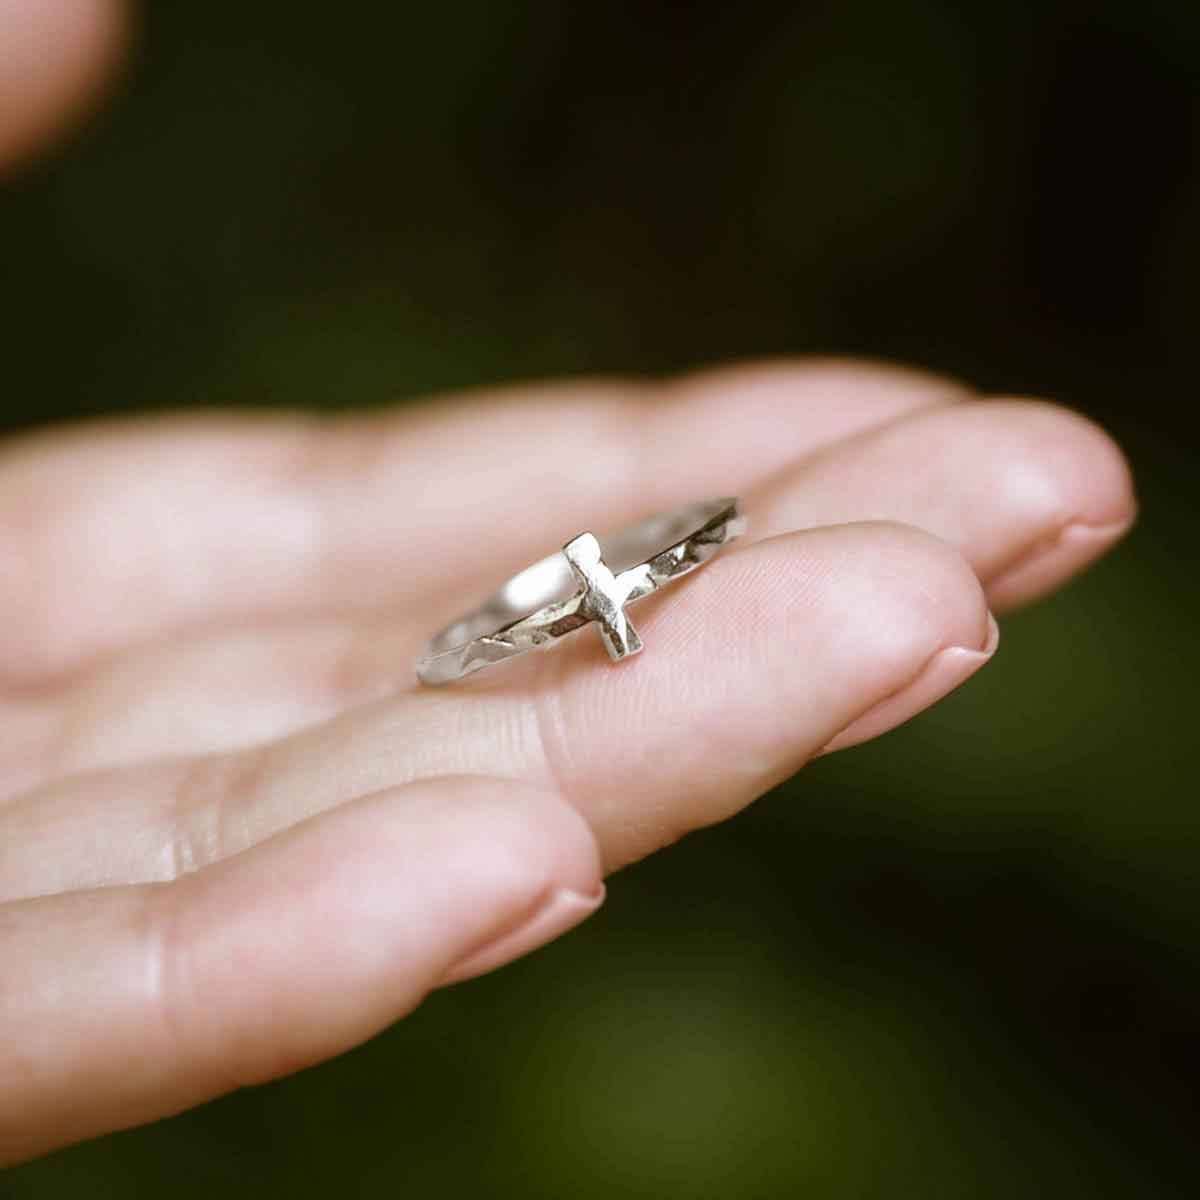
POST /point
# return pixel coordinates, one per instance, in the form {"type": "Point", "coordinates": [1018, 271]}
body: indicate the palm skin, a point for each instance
{"type": "Point", "coordinates": [237, 838]}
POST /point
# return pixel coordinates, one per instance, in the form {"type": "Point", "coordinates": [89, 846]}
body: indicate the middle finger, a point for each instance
{"type": "Point", "coordinates": [1027, 492]}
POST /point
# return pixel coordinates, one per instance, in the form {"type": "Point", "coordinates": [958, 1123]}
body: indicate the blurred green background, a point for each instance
{"type": "Point", "coordinates": [961, 961]}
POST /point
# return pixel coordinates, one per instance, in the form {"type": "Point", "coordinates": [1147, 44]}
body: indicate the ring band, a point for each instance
{"type": "Point", "coordinates": [590, 579]}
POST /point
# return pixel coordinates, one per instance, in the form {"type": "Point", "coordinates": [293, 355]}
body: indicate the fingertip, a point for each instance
{"type": "Point", "coordinates": [531, 844]}
{"type": "Point", "coordinates": [54, 57]}
{"type": "Point", "coordinates": [349, 919]}
{"type": "Point", "coordinates": [945, 671]}
{"type": "Point", "coordinates": [917, 624]}
{"type": "Point", "coordinates": [1062, 553]}
{"type": "Point", "coordinates": [918, 593]}
{"type": "Point", "coordinates": [554, 913]}
{"type": "Point", "coordinates": [1072, 467]}
{"type": "Point", "coordinates": [1070, 482]}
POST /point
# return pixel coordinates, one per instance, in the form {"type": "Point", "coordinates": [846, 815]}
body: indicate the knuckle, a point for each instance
{"type": "Point", "coordinates": [189, 1022]}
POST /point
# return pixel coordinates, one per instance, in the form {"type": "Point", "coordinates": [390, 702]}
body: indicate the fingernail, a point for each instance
{"type": "Point", "coordinates": [562, 910]}
{"type": "Point", "coordinates": [942, 674]}
{"type": "Point", "coordinates": [1069, 550]}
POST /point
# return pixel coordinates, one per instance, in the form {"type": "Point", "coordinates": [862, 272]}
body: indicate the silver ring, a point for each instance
{"type": "Point", "coordinates": [590, 579]}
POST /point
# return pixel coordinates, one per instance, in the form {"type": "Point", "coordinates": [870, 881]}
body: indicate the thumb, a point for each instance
{"type": "Point", "coordinates": [125, 1004]}
{"type": "Point", "coordinates": [53, 55]}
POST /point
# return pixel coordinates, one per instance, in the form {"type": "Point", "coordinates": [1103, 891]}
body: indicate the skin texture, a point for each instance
{"type": "Point", "coordinates": [236, 839]}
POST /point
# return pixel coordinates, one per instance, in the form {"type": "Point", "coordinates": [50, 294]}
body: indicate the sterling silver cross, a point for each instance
{"type": "Point", "coordinates": [605, 594]}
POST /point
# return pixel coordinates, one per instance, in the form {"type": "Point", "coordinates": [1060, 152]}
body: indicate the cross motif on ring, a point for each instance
{"type": "Point", "coordinates": [605, 595]}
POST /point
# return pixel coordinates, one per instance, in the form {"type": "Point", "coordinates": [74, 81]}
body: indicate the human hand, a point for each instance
{"type": "Point", "coordinates": [237, 838]}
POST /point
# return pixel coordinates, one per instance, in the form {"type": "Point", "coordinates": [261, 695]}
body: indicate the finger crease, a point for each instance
{"type": "Point", "coordinates": [209, 822]}
{"type": "Point", "coordinates": [550, 721]}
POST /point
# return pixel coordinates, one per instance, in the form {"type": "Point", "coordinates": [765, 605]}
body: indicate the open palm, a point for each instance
{"type": "Point", "coordinates": [235, 835]}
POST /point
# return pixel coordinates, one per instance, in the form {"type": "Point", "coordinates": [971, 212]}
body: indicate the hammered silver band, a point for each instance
{"type": "Point", "coordinates": [590, 580]}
